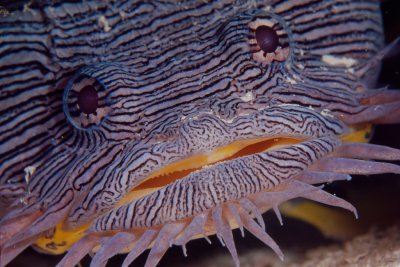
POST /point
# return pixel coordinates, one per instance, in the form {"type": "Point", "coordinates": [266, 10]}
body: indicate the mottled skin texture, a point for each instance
{"type": "Point", "coordinates": [178, 82]}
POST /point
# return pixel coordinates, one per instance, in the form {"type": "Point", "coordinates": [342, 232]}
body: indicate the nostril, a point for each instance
{"type": "Point", "coordinates": [88, 100]}
{"type": "Point", "coordinates": [267, 38]}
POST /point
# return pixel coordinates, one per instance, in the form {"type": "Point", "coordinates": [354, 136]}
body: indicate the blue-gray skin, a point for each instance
{"type": "Point", "coordinates": [96, 97]}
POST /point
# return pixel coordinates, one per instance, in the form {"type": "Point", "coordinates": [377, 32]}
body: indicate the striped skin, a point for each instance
{"type": "Point", "coordinates": [176, 81]}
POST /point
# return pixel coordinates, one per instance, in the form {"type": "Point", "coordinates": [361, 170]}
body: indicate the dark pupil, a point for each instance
{"type": "Point", "coordinates": [267, 39]}
{"type": "Point", "coordinates": [88, 101]}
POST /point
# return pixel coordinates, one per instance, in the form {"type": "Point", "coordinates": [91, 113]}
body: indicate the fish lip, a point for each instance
{"type": "Point", "coordinates": [170, 173]}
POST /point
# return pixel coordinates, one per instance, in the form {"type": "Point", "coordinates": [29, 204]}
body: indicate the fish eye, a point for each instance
{"type": "Point", "coordinates": [267, 38]}
{"type": "Point", "coordinates": [84, 102]}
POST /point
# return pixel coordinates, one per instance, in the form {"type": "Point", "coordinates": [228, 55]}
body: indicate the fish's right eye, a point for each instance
{"type": "Point", "coordinates": [267, 39]}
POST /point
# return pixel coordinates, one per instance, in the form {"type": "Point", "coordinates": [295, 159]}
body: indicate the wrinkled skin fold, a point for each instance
{"type": "Point", "coordinates": [129, 125]}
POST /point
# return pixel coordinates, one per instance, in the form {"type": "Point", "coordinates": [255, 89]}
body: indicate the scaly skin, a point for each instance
{"type": "Point", "coordinates": [183, 90]}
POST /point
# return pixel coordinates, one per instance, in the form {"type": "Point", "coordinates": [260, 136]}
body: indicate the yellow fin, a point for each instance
{"type": "Point", "coordinates": [360, 134]}
{"type": "Point", "coordinates": [332, 222]}
{"type": "Point", "coordinates": [60, 240]}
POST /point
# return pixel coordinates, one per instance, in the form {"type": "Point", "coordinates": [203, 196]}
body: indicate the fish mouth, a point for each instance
{"type": "Point", "coordinates": [240, 148]}
{"type": "Point", "coordinates": [182, 168]}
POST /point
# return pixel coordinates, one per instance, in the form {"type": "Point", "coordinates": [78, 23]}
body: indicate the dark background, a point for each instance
{"type": "Point", "coordinates": [296, 233]}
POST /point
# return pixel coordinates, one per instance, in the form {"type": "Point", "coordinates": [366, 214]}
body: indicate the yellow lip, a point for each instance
{"type": "Point", "coordinates": [182, 168]}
